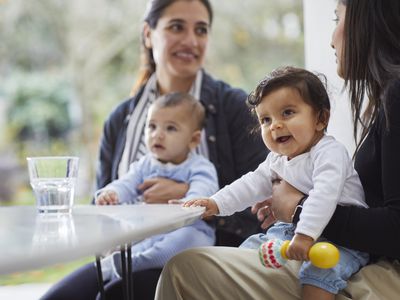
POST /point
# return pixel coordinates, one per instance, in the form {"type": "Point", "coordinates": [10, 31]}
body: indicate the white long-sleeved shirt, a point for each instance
{"type": "Point", "coordinates": [325, 174]}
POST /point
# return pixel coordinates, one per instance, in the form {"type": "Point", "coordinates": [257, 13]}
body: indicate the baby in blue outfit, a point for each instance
{"type": "Point", "coordinates": [173, 130]}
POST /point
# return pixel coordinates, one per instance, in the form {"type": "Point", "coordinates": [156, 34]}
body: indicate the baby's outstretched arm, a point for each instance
{"type": "Point", "coordinates": [107, 197]}
{"type": "Point", "coordinates": [208, 203]}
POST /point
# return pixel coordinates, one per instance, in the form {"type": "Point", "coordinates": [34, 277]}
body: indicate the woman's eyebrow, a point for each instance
{"type": "Point", "coordinates": [178, 20]}
{"type": "Point", "coordinates": [203, 23]}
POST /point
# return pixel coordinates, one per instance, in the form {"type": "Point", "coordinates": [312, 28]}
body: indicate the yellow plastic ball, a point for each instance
{"type": "Point", "coordinates": [324, 255]}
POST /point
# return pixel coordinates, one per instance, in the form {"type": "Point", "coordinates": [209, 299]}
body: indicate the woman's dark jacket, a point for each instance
{"type": "Point", "coordinates": [232, 148]}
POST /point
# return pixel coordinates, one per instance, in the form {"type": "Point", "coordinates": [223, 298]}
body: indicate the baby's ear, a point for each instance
{"type": "Point", "coordinates": [196, 138]}
{"type": "Point", "coordinates": [323, 119]}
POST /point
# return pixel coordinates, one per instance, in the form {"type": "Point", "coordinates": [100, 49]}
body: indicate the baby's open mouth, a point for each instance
{"type": "Point", "coordinates": [283, 139]}
{"type": "Point", "coordinates": [158, 146]}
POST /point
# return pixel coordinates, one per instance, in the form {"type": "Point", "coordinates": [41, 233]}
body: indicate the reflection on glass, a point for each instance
{"type": "Point", "coordinates": [54, 230]}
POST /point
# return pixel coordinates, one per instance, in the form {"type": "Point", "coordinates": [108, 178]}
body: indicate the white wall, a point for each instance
{"type": "Point", "coordinates": [320, 57]}
{"type": "Point", "coordinates": [3, 119]}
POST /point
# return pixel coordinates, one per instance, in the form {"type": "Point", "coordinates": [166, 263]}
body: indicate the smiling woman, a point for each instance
{"type": "Point", "coordinates": [178, 43]}
{"type": "Point", "coordinates": [174, 42]}
{"type": "Point", "coordinates": [175, 36]}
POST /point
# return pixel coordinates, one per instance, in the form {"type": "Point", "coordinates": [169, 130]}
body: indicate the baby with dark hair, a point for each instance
{"type": "Point", "coordinates": [292, 107]}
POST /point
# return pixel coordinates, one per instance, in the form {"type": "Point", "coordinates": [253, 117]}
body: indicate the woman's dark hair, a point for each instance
{"type": "Point", "coordinates": [311, 87]}
{"type": "Point", "coordinates": [154, 11]}
{"type": "Point", "coordinates": [371, 58]}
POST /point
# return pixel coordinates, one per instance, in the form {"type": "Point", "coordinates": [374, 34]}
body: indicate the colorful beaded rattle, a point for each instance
{"type": "Point", "coordinates": [273, 254]}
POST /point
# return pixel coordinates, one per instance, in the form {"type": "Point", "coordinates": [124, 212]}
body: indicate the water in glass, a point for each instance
{"type": "Point", "coordinates": [54, 194]}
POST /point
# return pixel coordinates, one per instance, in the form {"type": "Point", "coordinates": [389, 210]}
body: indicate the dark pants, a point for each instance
{"type": "Point", "coordinates": [82, 285]}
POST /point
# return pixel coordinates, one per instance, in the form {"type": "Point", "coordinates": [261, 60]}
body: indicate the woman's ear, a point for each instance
{"type": "Point", "coordinates": [195, 141]}
{"type": "Point", "coordinates": [323, 119]}
{"type": "Point", "coordinates": [147, 35]}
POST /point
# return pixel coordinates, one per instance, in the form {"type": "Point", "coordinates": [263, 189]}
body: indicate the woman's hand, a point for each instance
{"type": "Point", "coordinates": [280, 207]}
{"type": "Point", "coordinates": [284, 200]}
{"type": "Point", "coordinates": [160, 190]}
{"type": "Point", "coordinates": [264, 213]}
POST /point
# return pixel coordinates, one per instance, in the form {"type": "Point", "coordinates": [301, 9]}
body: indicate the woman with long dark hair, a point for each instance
{"type": "Point", "coordinates": [367, 45]}
{"type": "Point", "coordinates": [174, 41]}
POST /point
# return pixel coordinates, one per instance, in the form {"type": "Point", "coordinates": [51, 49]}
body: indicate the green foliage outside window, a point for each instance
{"type": "Point", "coordinates": [38, 109]}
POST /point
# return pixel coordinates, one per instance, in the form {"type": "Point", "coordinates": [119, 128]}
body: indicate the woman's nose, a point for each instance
{"type": "Point", "coordinates": [190, 38]}
{"type": "Point", "coordinates": [333, 39]}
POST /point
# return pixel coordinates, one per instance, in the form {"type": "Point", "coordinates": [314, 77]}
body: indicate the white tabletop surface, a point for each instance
{"type": "Point", "coordinates": [29, 240]}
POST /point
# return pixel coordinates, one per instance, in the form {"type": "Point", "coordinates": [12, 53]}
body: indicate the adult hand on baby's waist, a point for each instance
{"type": "Point", "coordinates": [285, 198]}
{"type": "Point", "coordinates": [264, 213]}
{"type": "Point", "coordinates": [280, 207]}
{"type": "Point", "coordinates": [161, 190]}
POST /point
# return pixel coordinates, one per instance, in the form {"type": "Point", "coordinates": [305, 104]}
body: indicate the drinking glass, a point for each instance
{"type": "Point", "coordinates": [53, 180]}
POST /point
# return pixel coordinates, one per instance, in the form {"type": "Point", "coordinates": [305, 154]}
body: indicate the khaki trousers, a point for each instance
{"type": "Point", "coordinates": [231, 273]}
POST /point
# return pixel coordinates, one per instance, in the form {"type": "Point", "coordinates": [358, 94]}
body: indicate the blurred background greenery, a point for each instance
{"type": "Point", "coordinates": [65, 64]}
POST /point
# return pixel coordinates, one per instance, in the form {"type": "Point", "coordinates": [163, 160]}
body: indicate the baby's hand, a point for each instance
{"type": "Point", "coordinates": [107, 197]}
{"type": "Point", "coordinates": [299, 247]}
{"type": "Point", "coordinates": [208, 203]}
{"type": "Point", "coordinates": [175, 201]}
